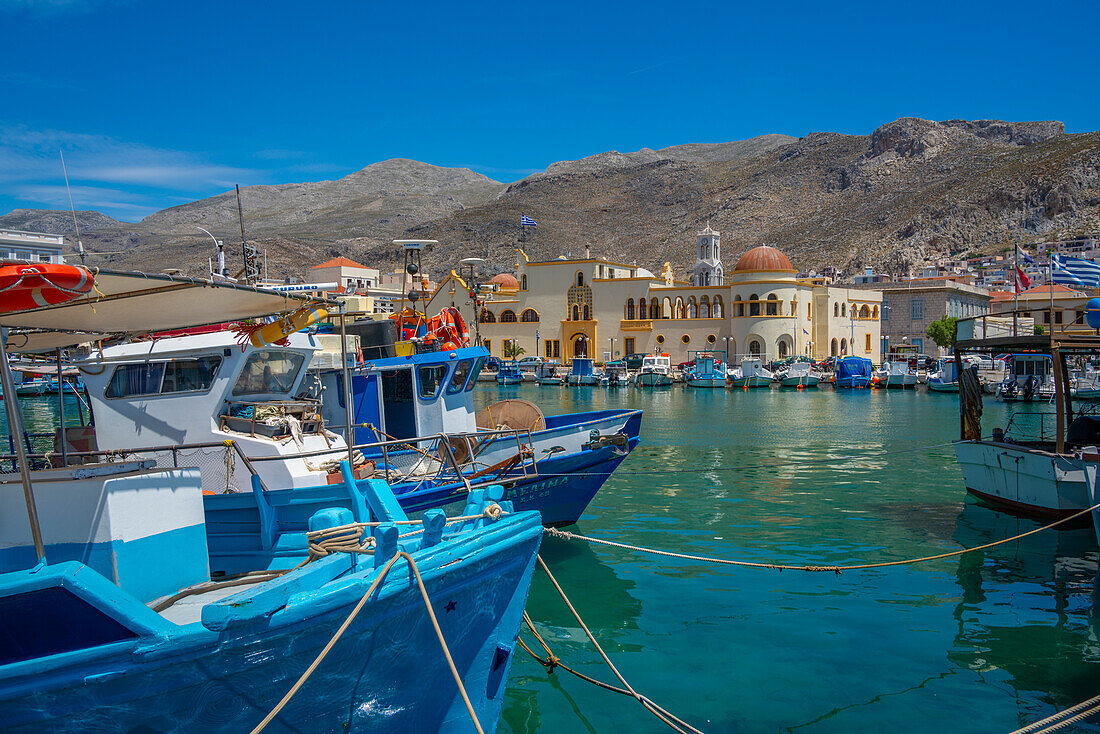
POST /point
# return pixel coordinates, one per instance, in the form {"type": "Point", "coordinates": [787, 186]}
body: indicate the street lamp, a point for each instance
{"type": "Point", "coordinates": [726, 349]}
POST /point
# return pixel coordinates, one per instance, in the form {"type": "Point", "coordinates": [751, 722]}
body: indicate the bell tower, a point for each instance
{"type": "Point", "coordinates": [708, 257]}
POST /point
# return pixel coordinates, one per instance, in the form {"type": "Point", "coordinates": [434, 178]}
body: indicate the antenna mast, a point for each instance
{"type": "Point", "coordinates": [251, 268]}
{"type": "Point", "coordinates": [76, 224]}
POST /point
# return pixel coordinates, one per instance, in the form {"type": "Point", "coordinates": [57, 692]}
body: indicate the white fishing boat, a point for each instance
{"type": "Point", "coordinates": [1027, 469]}
{"type": "Point", "coordinates": [549, 373]}
{"type": "Point", "coordinates": [1086, 385]}
{"type": "Point", "coordinates": [898, 375]}
{"type": "Point", "coordinates": [946, 378]}
{"type": "Point", "coordinates": [752, 373]}
{"type": "Point", "coordinates": [798, 374]}
{"type": "Point", "coordinates": [1030, 378]}
{"type": "Point", "coordinates": [656, 371]}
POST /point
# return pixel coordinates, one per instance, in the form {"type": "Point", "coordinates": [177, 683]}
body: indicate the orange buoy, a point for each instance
{"type": "Point", "coordinates": [24, 287]}
{"type": "Point", "coordinates": [798, 387]}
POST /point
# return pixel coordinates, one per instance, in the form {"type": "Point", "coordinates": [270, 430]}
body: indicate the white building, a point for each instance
{"type": "Point", "coordinates": [32, 246]}
{"type": "Point", "coordinates": [708, 258]}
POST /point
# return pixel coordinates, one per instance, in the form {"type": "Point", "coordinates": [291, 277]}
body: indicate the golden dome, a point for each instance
{"type": "Point", "coordinates": [764, 258]}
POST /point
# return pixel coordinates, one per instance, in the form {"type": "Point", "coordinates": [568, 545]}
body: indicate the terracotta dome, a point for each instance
{"type": "Point", "coordinates": [505, 280]}
{"type": "Point", "coordinates": [763, 258]}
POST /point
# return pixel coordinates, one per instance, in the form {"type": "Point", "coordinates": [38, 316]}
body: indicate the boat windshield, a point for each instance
{"type": "Point", "coordinates": [269, 371]}
{"type": "Point", "coordinates": [458, 379]}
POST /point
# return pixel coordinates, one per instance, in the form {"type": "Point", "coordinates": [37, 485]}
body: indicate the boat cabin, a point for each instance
{"type": "Point", "coordinates": [407, 396]}
{"type": "Point", "coordinates": [203, 389]}
{"type": "Point", "coordinates": [657, 363]}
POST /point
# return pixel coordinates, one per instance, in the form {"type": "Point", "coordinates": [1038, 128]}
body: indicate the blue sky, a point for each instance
{"type": "Point", "coordinates": [159, 103]}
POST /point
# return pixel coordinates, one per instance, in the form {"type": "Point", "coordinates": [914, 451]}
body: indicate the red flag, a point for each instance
{"type": "Point", "coordinates": [1022, 281]}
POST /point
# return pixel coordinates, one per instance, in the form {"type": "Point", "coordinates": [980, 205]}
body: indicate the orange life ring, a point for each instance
{"type": "Point", "coordinates": [449, 326]}
{"type": "Point", "coordinates": [24, 287]}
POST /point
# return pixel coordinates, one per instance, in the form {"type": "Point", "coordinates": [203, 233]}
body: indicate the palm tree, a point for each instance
{"type": "Point", "coordinates": [513, 350]}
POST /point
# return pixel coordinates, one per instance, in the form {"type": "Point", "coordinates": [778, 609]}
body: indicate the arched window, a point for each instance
{"type": "Point", "coordinates": [704, 307]}
{"type": "Point", "coordinates": [693, 308]}
{"type": "Point", "coordinates": [654, 309]}
{"type": "Point", "coordinates": [679, 312]}
{"type": "Point", "coordinates": [630, 309]}
{"type": "Point", "coordinates": [842, 311]}
{"type": "Point", "coordinates": [523, 282]}
{"type": "Point", "coordinates": [487, 317]}
{"type": "Point", "coordinates": [576, 312]}
{"type": "Point", "coordinates": [666, 308]}
{"type": "Point", "coordinates": [864, 312]}
{"type": "Point", "coordinates": [587, 312]}
{"type": "Point", "coordinates": [874, 312]}
{"type": "Point", "coordinates": [580, 278]}
{"type": "Point", "coordinates": [784, 348]}
{"type": "Point", "coordinates": [717, 309]}
{"type": "Point", "coordinates": [836, 311]}
{"type": "Point", "coordinates": [772, 305]}
{"type": "Point", "coordinates": [832, 346]}
{"type": "Point", "coordinates": [507, 316]}
{"type": "Point", "coordinates": [738, 306]}
{"type": "Point", "coordinates": [843, 346]}
{"type": "Point", "coordinates": [754, 305]}
{"type": "Point", "coordinates": [755, 347]}
{"type": "Point", "coordinates": [530, 315]}
{"type": "Point", "coordinates": [643, 309]}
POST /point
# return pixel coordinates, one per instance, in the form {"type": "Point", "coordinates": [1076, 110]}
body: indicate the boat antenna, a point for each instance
{"type": "Point", "coordinates": [250, 271]}
{"type": "Point", "coordinates": [76, 224]}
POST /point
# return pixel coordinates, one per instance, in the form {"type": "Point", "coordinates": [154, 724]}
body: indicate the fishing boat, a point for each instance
{"type": "Point", "coordinates": [1023, 467]}
{"type": "Point", "coordinates": [708, 370]}
{"type": "Point", "coordinates": [547, 373]}
{"type": "Point", "coordinates": [509, 374]}
{"type": "Point", "coordinates": [113, 610]}
{"type": "Point", "coordinates": [752, 373]}
{"type": "Point", "coordinates": [798, 374]}
{"type": "Point", "coordinates": [945, 378]}
{"type": "Point", "coordinates": [656, 371]}
{"type": "Point", "coordinates": [1086, 386]}
{"type": "Point", "coordinates": [1030, 378]}
{"type": "Point", "coordinates": [32, 386]}
{"type": "Point", "coordinates": [899, 376]}
{"type": "Point", "coordinates": [582, 374]}
{"type": "Point", "coordinates": [615, 375]}
{"type": "Point", "coordinates": [853, 373]}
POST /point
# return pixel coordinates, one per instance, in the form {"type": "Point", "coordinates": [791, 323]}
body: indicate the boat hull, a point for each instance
{"type": "Point", "coordinates": [901, 382]}
{"type": "Point", "coordinates": [583, 380]}
{"type": "Point", "coordinates": [937, 386]}
{"type": "Point", "coordinates": [1026, 480]}
{"type": "Point", "coordinates": [652, 379]}
{"type": "Point", "coordinates": [755, 381]}
{"type": "Point", "coordinates": [803, 380]}
{"type": "Point", "coordinates": [853, 383]}
{"type": "Point", "coordinates": [706, 382]}
{"type": "Point", "coordinates": [190, 678]}
{"type": "Point", "coordinates": [509, 379]}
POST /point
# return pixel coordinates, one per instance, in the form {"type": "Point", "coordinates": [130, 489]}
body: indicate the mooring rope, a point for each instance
{"type": "Point", "coordinates": [814, 569]}
{"type": "Point", "coordinates": [656, 710]}
{"type": "Point", "coordinates": [1059, 720]}
{"type": "Point", "coordinates": [347, 623]}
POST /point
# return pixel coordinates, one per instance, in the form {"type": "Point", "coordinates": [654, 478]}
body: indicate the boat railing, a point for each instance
{"type": "Point", "coordinates": [225, 468]}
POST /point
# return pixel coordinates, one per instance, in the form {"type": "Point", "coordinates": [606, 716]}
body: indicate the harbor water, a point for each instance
{"type": "Point", "coordinates": [982, 643]}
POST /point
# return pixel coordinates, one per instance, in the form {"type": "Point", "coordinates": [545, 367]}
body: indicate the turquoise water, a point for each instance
{"type": "Point", "coordinates": [982, 643]}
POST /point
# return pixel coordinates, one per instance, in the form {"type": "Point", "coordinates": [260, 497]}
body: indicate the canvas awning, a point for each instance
{"type": "Point", "coordinates": [132, 303]}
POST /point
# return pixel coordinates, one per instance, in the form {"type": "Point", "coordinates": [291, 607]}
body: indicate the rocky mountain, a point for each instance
{"type": "Point", "coordinates": [911, 189]}
{"type": "Point", "coordinates": [54, 221]}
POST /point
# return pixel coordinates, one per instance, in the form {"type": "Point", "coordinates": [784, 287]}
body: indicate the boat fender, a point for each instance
{"type": "Point", "coordinates": [259, 335]}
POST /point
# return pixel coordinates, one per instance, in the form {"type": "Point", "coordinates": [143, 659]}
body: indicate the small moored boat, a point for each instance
{"type": "Point", "coordinates": [656, 371]}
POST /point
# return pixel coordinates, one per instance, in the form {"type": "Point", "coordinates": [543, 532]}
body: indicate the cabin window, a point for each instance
{"type": "Point", "coordinates": [458, 379]}
{"type": "Point", "coordinates": [430, 380]}
{"type": "Point", "coordinates": [269, 371]}
{"type": "Point", "coordinates": [136, 379]}
{"type": "Point", "coordinates": [474, 373]}
{"type": "Point", "coordinates": [189, 375]}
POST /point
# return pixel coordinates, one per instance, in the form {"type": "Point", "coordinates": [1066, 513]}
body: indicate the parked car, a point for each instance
{"type": "Point", "coordinates": [634, 361]}
{"type": "Point", "coordinates": [529, 363]}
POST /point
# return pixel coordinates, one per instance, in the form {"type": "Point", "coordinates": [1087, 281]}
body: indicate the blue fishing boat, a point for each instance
{"type": "Point", "coordinates": [509, 374]}
{"type": "Point", "coordinates": [582, 374]}
{"type": "Point", "coordinates": [707, 370]}
{"type": "Point", "coordinates": [124, 609]}
{"type": "Point", "coordinates": [853, 372]}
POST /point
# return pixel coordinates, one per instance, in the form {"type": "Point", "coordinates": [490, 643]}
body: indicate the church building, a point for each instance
{"type": "Point", "coordinates": [594, 307]}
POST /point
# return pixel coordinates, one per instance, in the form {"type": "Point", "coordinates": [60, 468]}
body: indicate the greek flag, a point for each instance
{"type": "Point", "coordinates": [1074, 271]}
{"type": "Point", "coordinates": [1023, 256]}
{"type": "Point", "coordinates": [526, 221]}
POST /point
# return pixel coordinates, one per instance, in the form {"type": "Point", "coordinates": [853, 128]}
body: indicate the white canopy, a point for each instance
{"type": "Point", "coordinates": [131, 303]}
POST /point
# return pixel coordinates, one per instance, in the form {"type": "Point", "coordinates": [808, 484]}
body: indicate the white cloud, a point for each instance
{"type": "Point", "coordinates": [49, 8]}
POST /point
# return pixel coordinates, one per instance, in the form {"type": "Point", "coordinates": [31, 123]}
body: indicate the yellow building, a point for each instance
{"type": "Point", "coordinates": [565, 308]}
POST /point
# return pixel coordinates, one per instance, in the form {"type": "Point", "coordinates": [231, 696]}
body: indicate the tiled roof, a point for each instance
{"type": "Point", "coordinates": [340, 262]}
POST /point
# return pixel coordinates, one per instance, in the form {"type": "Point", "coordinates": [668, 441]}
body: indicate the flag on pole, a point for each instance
{"type": "Point", "coordinates": [1022, 281]}
{"type": "Point", "coordinates": [1021, 254]}
{"type": "Point", "coordinates": [1074, 271]}
{"type": "Point", "coordinates": [526, 221]}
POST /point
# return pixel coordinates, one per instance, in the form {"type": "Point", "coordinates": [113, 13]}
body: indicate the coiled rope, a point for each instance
{"type": "Point", "coordinates": [347, 623]}
{"type": "Point", "coordinates": [1063, 719]}
{"type": "Point", "coordinates": [813, 569]}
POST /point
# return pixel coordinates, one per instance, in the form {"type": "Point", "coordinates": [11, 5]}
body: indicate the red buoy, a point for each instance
{"type": "Point", "coordinates": [24, 287]}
